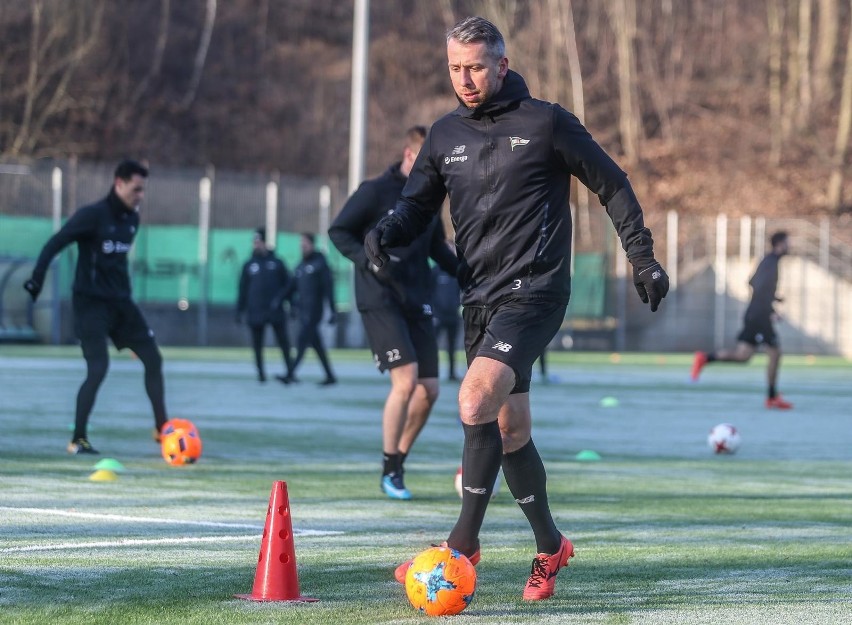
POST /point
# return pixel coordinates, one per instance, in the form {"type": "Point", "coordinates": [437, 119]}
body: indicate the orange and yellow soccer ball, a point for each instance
{"type": "Point", "coordinates": [440, 581]}
{"type": "Point", "coordinates": [180, 442]}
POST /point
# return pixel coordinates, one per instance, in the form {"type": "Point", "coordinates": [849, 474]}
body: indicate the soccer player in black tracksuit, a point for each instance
{"type": "Point", "coordinates": [104, 233]}
{"type": "Point", "coordinates": [446, 300]}
{"type": "Point", "coordinates": [758, 325]}
{"type": "Point", "coordinates": [395, 309]}
{"type": "Point", "coordinates": [506, 161]}
{"type": "Point", "coordinates": [314, 288]}
{"type": "Point", "coordinates": [265, 283]}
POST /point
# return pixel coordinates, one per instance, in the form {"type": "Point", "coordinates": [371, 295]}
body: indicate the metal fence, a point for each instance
{"type": "Point", "coordinates": [709, 258]}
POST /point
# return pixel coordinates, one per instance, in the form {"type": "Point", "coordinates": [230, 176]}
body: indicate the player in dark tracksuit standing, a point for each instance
{"type": "Point", "coordinates": [265, 283]}
{"type": "Point", "coordinates": [506, 161]}
{"type": "Point", "coordinates": [758, 325]}
{"type": "Point", "coordinates": [314, 289]}
{"type": "Point", "coordinates": [394, 303]}
{"type": "Point", "coordinates": [102, 304]}
{"type": "Point", "coordinates": [446, 301]}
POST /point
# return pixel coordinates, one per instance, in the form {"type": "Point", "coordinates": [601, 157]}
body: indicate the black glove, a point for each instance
{"type": "Point", "coordinates": [652, 283]}
{"type": "Point", "coordinates": [377, 241]}
{"type": "Point", "coordinates": [373, 247]}
{"type": "Point", "coordinates": [33, 288]}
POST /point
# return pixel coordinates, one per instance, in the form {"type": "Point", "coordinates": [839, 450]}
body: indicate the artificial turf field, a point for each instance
{"type": "Point", "coordinates": [665, 531]}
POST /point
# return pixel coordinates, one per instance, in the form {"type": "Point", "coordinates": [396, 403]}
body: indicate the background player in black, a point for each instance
{"type": "Point", "coordinates": [394, 303]}
{"type": "Point", "coordinates": [102, 304]}
{"type": "Point", "coordinates": [506, 161]}
{"type": "Point", "coordinates": [758, 324]}
{"type": "Point", "coordinates": [314, 288]}
{"type": "Point", "coordinates": [265, 283]}
{"type": "Point", "coordinates": [446, 304]}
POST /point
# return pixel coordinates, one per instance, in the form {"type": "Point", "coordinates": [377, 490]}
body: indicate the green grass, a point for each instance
{"type": "Point", "coordinates": [665, 531]}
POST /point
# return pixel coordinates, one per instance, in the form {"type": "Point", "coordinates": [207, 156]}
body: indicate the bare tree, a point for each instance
{"type": "Point", "coordinates": [622, 15]}
{"type": "Point", "coordinates": [826, 49]}
{"type": "Point", "coordinates": [200, 55]}
{"type": "Point", "coordinates": [775, 17]}
{"type": "Point", "coordinates": [159, 51]}
{"type": "Point", "coordinates": [803, 110]}
{"type": "Point", "coordinates": [58, 46]}
{"type": "Point", "coordinates": [844, 126]}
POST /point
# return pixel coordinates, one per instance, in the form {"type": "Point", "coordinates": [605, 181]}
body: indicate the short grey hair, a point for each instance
{"type": "Point", "coordinates": [476, 29]}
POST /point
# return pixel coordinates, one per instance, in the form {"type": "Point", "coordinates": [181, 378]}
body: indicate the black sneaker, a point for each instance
{"type": "Point", "coordinates": [286, 379]}
{"type": "Point", "coordinates": [327, 382]}
{"type": "Point", "coordinates": [81, 446]}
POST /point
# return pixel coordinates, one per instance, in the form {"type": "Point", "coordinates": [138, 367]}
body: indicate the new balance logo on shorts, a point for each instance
{"type": "Point", "coordinates": [502, 346]}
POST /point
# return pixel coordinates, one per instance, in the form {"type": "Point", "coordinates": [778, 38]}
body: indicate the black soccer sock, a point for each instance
{"type": "Point", "coordinates": [772, 391]}
{"type": "Point", "coordinates": [391, 464]}
{"type": "Point", "coordinates": [483, 448]}
{"type": "Point", "coordinates": [96, 369]}
{"type": "Point", "coordinates": [527, 481]}
{"type": "Point", "coordinates": [151, 358]}
{"type": "Point", "coordinates": [402, 457]}
{"type": "Point", "coordinates": [257, 347]}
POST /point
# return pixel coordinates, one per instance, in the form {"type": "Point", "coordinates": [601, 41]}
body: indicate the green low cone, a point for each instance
{"type": "Point", "coordinates": [109, 464]}
{"type": "Point", "coordinates": [587, 455]}
{"type": "Point", "coordinates": [609, 402]}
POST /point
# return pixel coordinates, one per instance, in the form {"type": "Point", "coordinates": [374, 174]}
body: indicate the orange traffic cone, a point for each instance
{"type": "Point", "coordinates": [276, 578]}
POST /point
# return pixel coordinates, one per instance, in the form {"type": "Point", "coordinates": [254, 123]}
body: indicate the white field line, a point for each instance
{"type": "Point", "coordinates": [122, 542]}
{"type": "Point", "coordinates": [130, 542]}
{"type": "Point", "coordinates": [132, 519]}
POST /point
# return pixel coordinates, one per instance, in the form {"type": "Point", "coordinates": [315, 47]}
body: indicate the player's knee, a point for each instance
{"type": "Point", "coordinates": [96, 369]}
{"type": "Point", "coordinates": [151, 358]}
{"type": "Point", "coordinates": [429, 390]}
{"type": "Point", "coordinates": [472, 406]}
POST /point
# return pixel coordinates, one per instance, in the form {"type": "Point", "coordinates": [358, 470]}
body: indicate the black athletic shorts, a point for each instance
{"type": "Point", "coordinates": [758, 329]}
{"type": "Point", "coordinates": [397, 339]}
{"type": "Point", "coordinates": [121, 320]}
{"type": "Point", "coordinates": [515, 332]}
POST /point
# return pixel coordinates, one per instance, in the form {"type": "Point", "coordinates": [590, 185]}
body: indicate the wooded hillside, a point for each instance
{"type": "Point", "coordinates": [740, 106]}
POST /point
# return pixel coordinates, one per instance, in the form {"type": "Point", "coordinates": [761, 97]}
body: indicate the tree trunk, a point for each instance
{"type": "Point", "coordinates": [200, 56]}
{"type": "Point", "coordinates": [826, 48]}
{"type": "Point", "coordinates": [841, 143]}
{"type": "Point", "coordinates": [159, 52]}
{"type": "Point", "coordinates": [775, 20]}
{"type": "Point", "coordinates": [623, 19]}
{"type": "Point", "coordinates": [803, 110]}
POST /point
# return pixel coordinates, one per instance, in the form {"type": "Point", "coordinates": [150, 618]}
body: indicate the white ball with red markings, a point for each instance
{"type": "Point", "coordinates": [724, 439]}
{"type": "Point", "coordinates": [459, 487]}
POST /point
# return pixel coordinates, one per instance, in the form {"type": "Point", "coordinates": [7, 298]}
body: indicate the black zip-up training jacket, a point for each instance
{"type": "Point", "coordinates": [405, 282]}
{"type": "Point", "coordinates": [764, 282]}
{"type": "Point", "coordinates": [314, 287]}
{"type": "Point", "coordinates": [264, 285]}
{"type": "Point", "coordinates": [507, 167]}
{"type": "Point", "coordinates": [104, 233]}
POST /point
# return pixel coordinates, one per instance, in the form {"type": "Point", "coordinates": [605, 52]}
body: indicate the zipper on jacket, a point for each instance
{"type": "Point", "coordinates": [542, 240]}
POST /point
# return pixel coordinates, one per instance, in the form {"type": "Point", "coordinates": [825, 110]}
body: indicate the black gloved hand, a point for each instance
{"type": "Point", "coordinates": [373, 247]}
{"type": "Point", "coordinates": [33, 288]}
{"type": "Point", "coordinates": [651, 281]}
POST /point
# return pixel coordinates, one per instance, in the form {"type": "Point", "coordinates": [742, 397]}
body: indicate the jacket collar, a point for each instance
{"type": "Point", "coordinates": [514, 90]}
{"type": "Point", "coordinates": [394, 172]}
{"type": "Point", "coordinates": [116, 205]}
